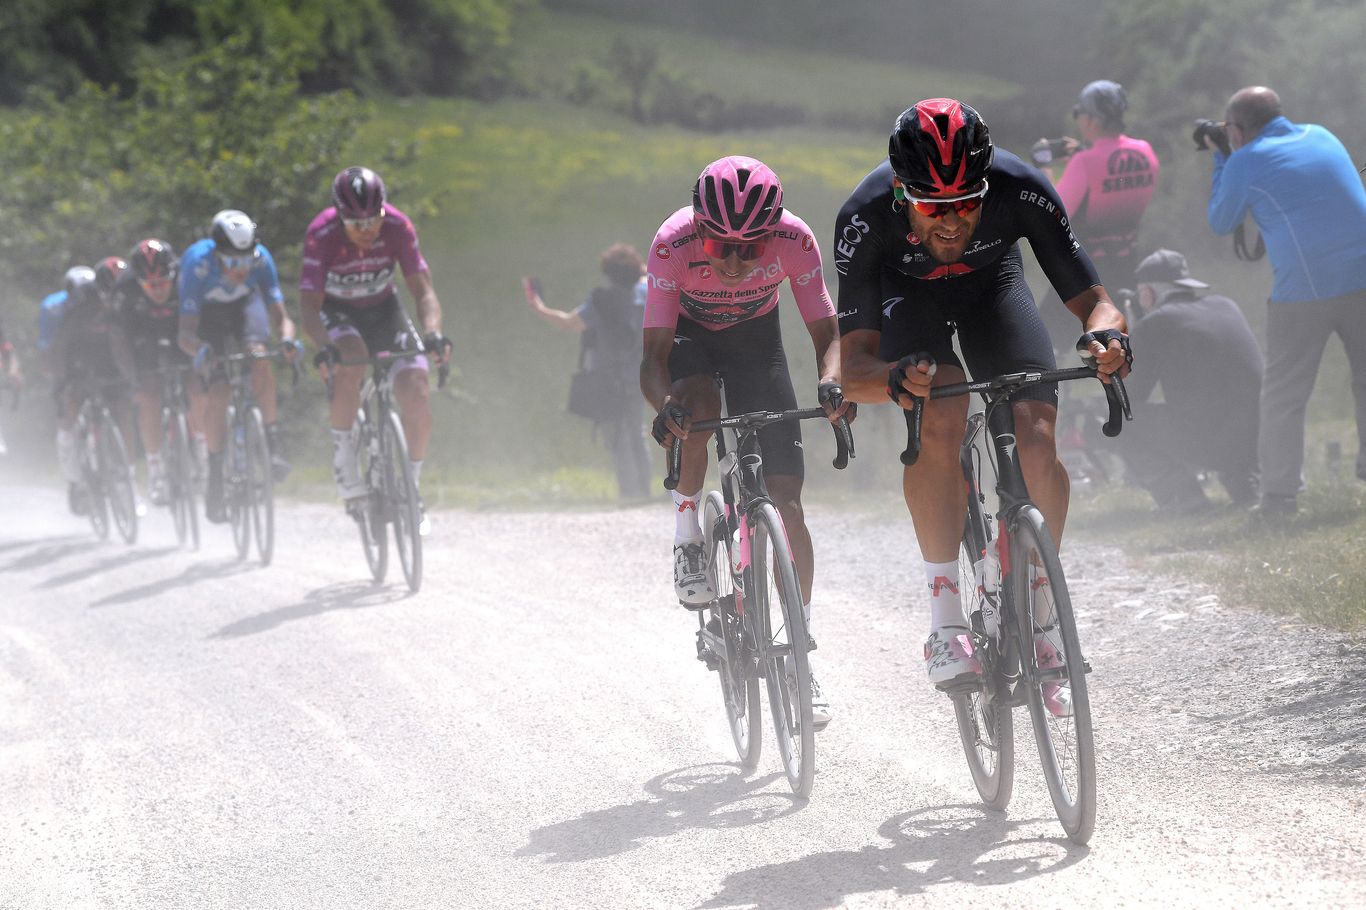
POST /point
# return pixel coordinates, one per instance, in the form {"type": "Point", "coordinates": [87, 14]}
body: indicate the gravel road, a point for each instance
{"type": "Point", "coordinates": [178, 729]}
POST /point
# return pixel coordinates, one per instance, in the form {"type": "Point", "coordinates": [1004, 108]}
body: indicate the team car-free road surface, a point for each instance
{"type": "Point", "coordinates": [179, 729]}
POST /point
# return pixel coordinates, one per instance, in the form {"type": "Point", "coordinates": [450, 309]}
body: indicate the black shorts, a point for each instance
{"type": "Point", "coordinates": [244, 321]}
{"type": "Point", "coordinates": [749, 356]}
{"type": "Point", "coordinates": [382, 327]}
{"type": "Point", "coordinates": [998, 325]}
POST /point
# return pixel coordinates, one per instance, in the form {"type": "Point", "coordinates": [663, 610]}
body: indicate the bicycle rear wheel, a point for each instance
{"type": "Point", "coordinates": [400, 489]}
{"type": "Point", "coordinates": [117, 474]}
{"type": "Point", "coordinates": [780, 626]}
{"type": "Point", "coordinates": [178, 461]}
{"type": "Point", "coordinates": [370, 515]}
{"type": "Point", "coordinates": [260, 489]}
{"type": "Point", "coordinates": [985, 720]}
{"type": "Point", "coordinates": [1065, 738]}
{"type": "Point", "coordinates": [739, 685]}
{"type": "Point", "coordinates": [236, 471]}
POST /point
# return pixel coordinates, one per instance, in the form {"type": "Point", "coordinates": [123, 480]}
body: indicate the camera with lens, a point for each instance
{"type": "Point", "coordinates": [1046, 151]}
{"type": "Point", "coordinates": [1210, 134]}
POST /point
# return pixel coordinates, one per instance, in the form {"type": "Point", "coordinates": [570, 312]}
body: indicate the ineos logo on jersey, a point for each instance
{"type": "Point", "coordinates": [848, 240]}
{"type": "Point", "coordinates": [662, 251]}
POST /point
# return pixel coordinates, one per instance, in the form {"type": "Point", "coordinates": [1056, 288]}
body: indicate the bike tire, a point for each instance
{"type": "Point", "coordinates": [370, 516]}
{"type": "Point", "coordinates": [739, 685]}
{"type": "Point", "coordinates": [236, 470]}
{"type": "Point", "coordinates": [985, 718]}
{"type": "Point", "coordinates": [400, 489]}
{"type": "Point", "coordinates": [87, 441]}
{"type": "Point", "coordinates": [184, 495]}
{"type": "Point", "coordinates": [1066, 744]}
{"type": "Point", "coordinates": [783, 643]}
{"type": "Point", "coordinates": [117, 473]}
{"type": "Point", "coordinates": [171, 461]}
{"type": "Point", "coordinates": [260, 486]}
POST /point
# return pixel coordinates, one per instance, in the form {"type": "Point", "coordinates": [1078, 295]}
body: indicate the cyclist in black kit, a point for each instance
{"type": "Point", "coordinates": [927, 246]}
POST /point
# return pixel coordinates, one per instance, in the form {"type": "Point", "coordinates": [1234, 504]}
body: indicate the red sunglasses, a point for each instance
{"type": "Point", "coordinates": [722, 249]}
{"type": "Point", "coordinates": [938, 208]}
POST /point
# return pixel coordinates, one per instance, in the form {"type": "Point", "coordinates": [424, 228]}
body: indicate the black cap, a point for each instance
{"type": "Point", "coordinates": [1103, 100]}
{"type": "Point", "coordinates": [1166, 267]}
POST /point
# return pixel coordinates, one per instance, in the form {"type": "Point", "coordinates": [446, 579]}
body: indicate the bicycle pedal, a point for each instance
{"type": "Point", "coordinates": [962, 684]}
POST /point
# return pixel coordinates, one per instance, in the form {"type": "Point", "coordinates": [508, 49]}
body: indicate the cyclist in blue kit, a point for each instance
{"type": "Point", "coordinates": [228, 285]}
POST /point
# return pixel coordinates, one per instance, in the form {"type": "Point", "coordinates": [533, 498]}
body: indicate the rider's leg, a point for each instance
{"type": "Point", "coordinates": [933, 486]}
{"type": "Point", "coordinates": [697, 394]}
{"type": "Point", "coordinates": [263, 389]}
{"type": "Point", "coordinates": [147, 396]}
{"type": "Point", "coordinates": [1045, 477]}
{"type": "Point", "coordinates": [415, 407]}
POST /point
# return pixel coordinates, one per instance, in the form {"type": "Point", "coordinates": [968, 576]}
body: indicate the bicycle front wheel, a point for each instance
{"type": "Point", "coordinates": [775, 608]}
{"type": "Point", "coordinates": [400, 489]}
{"type": "Point", "coordinates": [179, 467]}
{"type": "Point", "coordinates": [739, 684]}
{"type": "Point", "coordinates": [117, 473]}
{"type": "Point", "coordinates": [87, 439]}
{"type": "Point", "coordinates": [370, 515]}
{"type": "Point", "coordinates": [260, 488]}
{"type": "Point", "coordinates": [985, 721]}
{"type": "Point", "coordinates": [1054, 674]}
{"type": "Point", "coordinates": [236, 472]}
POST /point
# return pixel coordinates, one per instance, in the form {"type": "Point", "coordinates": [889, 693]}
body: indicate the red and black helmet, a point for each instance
{"type": "Point", "coordinates": [940, 147]}
{"type": "Point", "coordinates": [152, 259]}
{"type": "Point", "coordinates": [358, 192]}
{"type": "Point", "coordinates": [107, 274]}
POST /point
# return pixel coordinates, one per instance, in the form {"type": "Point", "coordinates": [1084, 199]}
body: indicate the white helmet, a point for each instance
{"type": "Point", "coordinates": [233, 232]}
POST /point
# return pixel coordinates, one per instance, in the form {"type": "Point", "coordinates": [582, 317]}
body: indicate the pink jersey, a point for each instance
{"type": "Point", "coordinates": [344, 273]}
{"type": "Point", "coordinates": [682, 282]}
{"type": "Point", "coordinates": [1105, 190]}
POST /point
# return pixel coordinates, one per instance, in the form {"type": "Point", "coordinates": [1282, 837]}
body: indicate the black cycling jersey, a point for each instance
{"type": "Point", "coordinates": [144, 321]}
{"type": "Point", "coordinates": [872, 234]}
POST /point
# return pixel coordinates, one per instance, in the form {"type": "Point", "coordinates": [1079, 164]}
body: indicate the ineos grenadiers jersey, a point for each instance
{"type": "Point", "coordinates": [202, 283]}
{"type": "Point", "coordinates": [683, 283]}
{"type": "Point", "coordinates": [1106, 189]}
{"type": "Point", "coordinates": [143, 319]}
{"type": "Point", "coordinates": [872, 236]}
{"type": "Point", "coordinates": [344, 273]}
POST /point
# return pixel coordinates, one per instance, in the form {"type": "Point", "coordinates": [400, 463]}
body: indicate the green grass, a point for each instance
{"type": "Point", "coordinates": [1311, 565]}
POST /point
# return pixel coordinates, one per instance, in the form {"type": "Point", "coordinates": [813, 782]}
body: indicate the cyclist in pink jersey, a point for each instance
{"type": "Point", "coordinates": [1105, 187]}
{"type": "Point", "coordinates": [715, 269]}
{"type": "Point", "coordinates": [349, 301]}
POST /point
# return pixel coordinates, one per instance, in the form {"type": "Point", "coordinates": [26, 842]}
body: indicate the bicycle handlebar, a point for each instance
{"type": "Point", "coordinates": [844, 436]}
{"type": "Point", "coordinates": [382, 359]}
{"type": "Point", "coordinates": [1007, 384]}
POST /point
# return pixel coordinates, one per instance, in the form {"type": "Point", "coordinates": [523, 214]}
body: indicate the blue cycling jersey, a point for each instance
{"type": "Point", "coordinates": [1300, 185]}
{"type": "Point", "coordinates": [49, 317]}
{"type": "Point", "coordinates": [202, 282]}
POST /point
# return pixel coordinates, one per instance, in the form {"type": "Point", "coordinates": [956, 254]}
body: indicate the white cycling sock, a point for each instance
{"type": "Point", "coordinates": [946, 606]}
{"type": "Point", "coordinates": [687, 528]}
{"type": "Point", "coordinates": [344, 448]}
{"type": "Point", "coordinates": [417, 470]}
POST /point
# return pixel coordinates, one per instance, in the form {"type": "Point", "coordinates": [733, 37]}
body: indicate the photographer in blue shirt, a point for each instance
{"type": "Point", "coordinates": [1302, 189]}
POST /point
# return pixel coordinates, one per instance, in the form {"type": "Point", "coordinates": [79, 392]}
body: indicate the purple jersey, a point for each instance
{"type": "Point", "coordinates": [345, 274]}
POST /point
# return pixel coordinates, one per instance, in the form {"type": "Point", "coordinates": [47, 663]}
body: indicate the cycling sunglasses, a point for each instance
{"type": "Point", "coordinates": [156, 284]}
{"type": "Point", "coordinates": [935, 207]}
{"type": "Point", "coordinates": [364, 224]}
{"type": "Point", "coordinates": [721, 249]}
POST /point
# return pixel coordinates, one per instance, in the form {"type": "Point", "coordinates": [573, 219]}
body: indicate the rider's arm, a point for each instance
{"type": "Point", "coordinates": [268, 283]}
{"type": "Point", "coordinates": [188, 333]}
{"type": "Point", "coordinates": [1228, 194]}
{"type": "Point", "coordinates": [825, 337]}
{"type": "Point", "coordinates": [424, 296]}
{"type": "Point", "coordinates": [311, 315]}
{"type": "Point", "coordinates": [57, 360]}
{"type": "Point", "coordinates": [864, 372]}
{"type": "Point", "coordinates": [655, 383]}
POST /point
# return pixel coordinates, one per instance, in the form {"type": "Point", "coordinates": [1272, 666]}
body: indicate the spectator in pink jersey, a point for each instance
{"type": "Point", "coordinates": [350, 307]}
{"type": "Point", "coordinates": [1105, 187]}
{"type": "Point", "coordinates": [714, 273]}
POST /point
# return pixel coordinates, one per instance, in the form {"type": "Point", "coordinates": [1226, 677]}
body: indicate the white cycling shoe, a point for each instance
{"type": "Point", "coordinates": [949, 659]}
{"type": "Point", "coordinates": [821, 712]}
{"type": "Point", "coordinates": [691, 581]}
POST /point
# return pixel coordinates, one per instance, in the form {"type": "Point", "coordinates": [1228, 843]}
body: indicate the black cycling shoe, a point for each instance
{"type": "Point", "coordinates": [214, 508]}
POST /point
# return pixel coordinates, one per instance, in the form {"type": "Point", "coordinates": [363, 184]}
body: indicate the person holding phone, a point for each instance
{"type": "Point", "coordinates": [608, 324]}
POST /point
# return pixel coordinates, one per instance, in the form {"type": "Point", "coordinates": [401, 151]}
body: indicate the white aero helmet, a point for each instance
{"type": "Point", "coordinates": [233, 232]}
